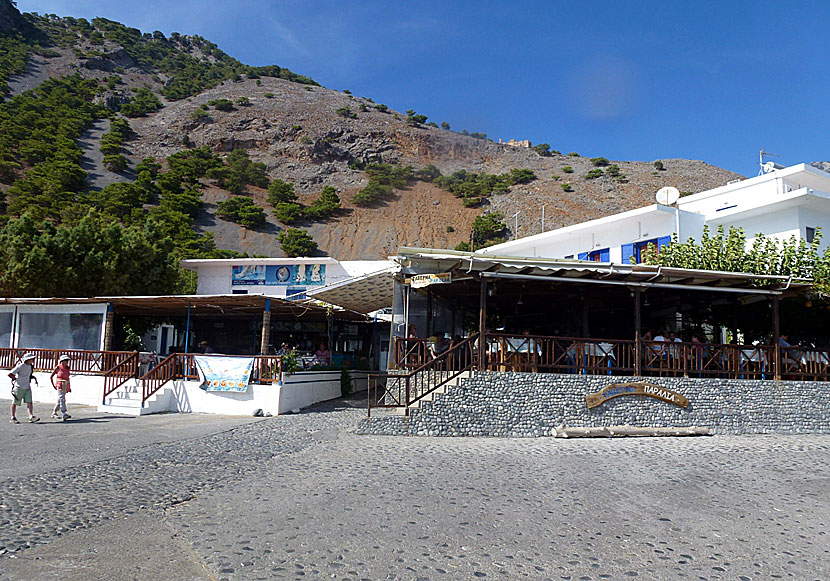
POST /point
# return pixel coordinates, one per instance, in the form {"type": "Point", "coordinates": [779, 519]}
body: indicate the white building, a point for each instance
{"type": "Point", "coordinates": [277, 277]}
{"type": "Point", "coordinates": [792, 201]}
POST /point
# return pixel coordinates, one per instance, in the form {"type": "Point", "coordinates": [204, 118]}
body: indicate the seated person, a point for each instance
{"type": "Point", "coordinates": [323, 355]}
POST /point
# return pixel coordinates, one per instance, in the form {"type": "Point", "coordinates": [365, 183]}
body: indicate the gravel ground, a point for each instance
{"type": "Point", "coordinates": [301, 496]}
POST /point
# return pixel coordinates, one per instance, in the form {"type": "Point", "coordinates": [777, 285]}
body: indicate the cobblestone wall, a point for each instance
{"type": "Point", "coordinates": [531, 405]}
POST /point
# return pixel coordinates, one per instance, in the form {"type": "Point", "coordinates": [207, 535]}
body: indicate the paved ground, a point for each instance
{"type": "Point", "coordinates": [201, 497]}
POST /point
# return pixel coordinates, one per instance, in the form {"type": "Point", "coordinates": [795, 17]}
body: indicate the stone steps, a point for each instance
{"type": "Point", "coordinates": [126, 400]}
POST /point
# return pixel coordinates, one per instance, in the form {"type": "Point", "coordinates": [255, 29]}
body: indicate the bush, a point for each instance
{"type": "Point", "coordinates": [658, 165]}
{"type": "Point", "coordinates": [280, 191]}
{"type": "Point", "coordinates": [269, 95]}
{"type": "Point", "coordinates": [296, 242]}
{"type": "Point", "coordinates": [221, 104]}
{"type": "Point", "coordinates": [573, 154]}
{"type": "Point", "coordinates": [382, 108]}
{"type": "Point", "coordinates": [567, 188]}
{"type": "Point", "coordinates": [463, 247]}
{"type": "Point", "coordinates": [568, 169]}
{"type": "Point", "coordinates": [115, 163]}
{"type": "Point", "coordinates": [241, 210]}
{"type": "Point", "coordinates": [345, 383]}
{"type": "Point", "coordinates": [200, 116]}
{"type": "Point", "coordinates": [288, 212]}
{"type": "Point", "coordinates": [347, 113]}
{"type": "Point", "coordinates": [445, 125]}
{"type": "Point", "coordinates": [244, 101]}
{"type": "Point", "coordinates": [543, 149]}
{"type": "Point", "coordinates": [144, 102]}
{"type": "Point", "coordinates": [599, 161]}
{"type": "Point", "coordinates": [593, 174]}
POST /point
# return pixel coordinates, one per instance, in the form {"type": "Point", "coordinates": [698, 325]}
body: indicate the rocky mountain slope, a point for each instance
{"type": "Point", "coordinates": [303, 136]}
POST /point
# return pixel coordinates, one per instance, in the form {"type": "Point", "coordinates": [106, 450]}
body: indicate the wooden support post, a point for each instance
{"type": "Point", "coordinates": [266, 328]}
{"type": "Point", "coordinates": [638, 347]}
{"type": "Point", "coordinates": [482, 326]}
{"type": "Point", "coordinates": [776, 334]}
{"type": "Point", "coordinates": [109, 328]}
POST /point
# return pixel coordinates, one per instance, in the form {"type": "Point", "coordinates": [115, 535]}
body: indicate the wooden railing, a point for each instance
{"type": "Point", "coordinates": [120, 374]}
{"type": "Point", "coordinates": [404, 389]}
{"type": "Point", "coordinates": [410, 353]}
{"type": "Point", "coordinates": [82, 362]}
{"type": "Point", "coordinates": [546, 354]}
{"type": "Point", "coordinates": [170, 368]}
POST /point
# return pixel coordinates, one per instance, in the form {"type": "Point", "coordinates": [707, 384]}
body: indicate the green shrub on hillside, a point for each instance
{"type": "Point", "coordinates": [115, 163]}
{"type": "Point", "coordinates": [599, 161]}
{"type": "Point", "coordinates": [241, 210]}
{"type": "Point", "coordinates": [568, 169]}
{"type": "Point", "coordinates": [144, 102]}
{"type": "Point", "coordinates": [347, 113]}
{"type": "Point", "coordinates": [593, 174]}
{"type": "Point", "coordinates": [296, 242]}
{"type": "Point", "coordinates": [221, 104]}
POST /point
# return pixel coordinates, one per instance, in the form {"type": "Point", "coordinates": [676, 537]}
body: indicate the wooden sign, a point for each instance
{"type": "Point", "coordinates": [422, 280]}
{"type": "Point", "coordinates": [593, 400]}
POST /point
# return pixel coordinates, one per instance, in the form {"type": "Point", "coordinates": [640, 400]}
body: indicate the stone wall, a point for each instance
{"type": "Point", "coordinates": [532, 405]}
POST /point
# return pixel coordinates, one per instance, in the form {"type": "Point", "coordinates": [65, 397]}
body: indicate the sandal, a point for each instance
{"type": "Point", "coordinates": [14, 421]}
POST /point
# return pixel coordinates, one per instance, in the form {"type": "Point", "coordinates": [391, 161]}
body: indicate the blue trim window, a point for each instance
{"type": "Point", "coordinates": [603, 255]}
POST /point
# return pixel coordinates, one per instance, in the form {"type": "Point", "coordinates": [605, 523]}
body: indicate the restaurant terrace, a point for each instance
{"type": "Point", "coordinates": [536, 315]}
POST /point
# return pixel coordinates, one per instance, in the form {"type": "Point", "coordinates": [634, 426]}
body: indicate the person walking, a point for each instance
{"type": "Point", "coordinates": [22, 375]}
{"type": "Point", "coordinates": [60, 381]}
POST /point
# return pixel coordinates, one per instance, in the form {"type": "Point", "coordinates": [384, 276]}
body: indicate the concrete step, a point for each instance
{"type": "Point", "coordinates": [127, 401]}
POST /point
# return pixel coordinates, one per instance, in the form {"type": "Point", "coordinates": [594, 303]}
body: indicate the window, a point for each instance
{"type": "Point", "coordinates": [810, 234]}
{"type": "Point", "coordinates": [640, 249]}
{"type": "Point", "coordinates": [6, 329]}
{"type": "Point", "coordinates": [603, 255]}
{"type": "Point", "coordinates": [60, 331]}
{"type": "Point", "coordinates": [239, 291]}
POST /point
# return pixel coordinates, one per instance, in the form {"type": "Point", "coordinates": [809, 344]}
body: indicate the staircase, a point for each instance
{"type": "Point", "coordinates": [433, 394]}
{"type": "Point", "coordinates": [402, 391]}
{"type": "Point", "coordinates": [126, 400]}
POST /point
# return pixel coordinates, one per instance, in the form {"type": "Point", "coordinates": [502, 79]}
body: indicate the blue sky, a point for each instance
{"type": "Point", "coordinates": [715, 81]}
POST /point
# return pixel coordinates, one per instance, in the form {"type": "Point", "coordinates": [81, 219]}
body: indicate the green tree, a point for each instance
{"type": "Point", "coordinates": [241, 210]}
{"type": "Point", "coordinates": [296, 242]}
{"type": "Point", "coordinates": [543, 149]}
{"type": "Point", "coordinates": [488, 228]}
{"type": "Point", "coordinates": [280, 191]}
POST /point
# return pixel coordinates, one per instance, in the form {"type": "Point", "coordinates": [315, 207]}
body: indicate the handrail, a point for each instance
{"type": "Point", "coordinates": [120, 374]}
{"type": "Point", "coordinates": [408, 388]}
{"type": "Point", "coordinates": [83, 362]}
{"type": "Point", "coordinates": [154, 379]}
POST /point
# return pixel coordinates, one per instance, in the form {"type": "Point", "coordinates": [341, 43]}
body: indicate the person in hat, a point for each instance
{"type": "Point", "coordinates": [22, 376]}
{"type": "Point", "coordinates": [60, 381]}
{"type": "Point", "coordinates": [205, 347]}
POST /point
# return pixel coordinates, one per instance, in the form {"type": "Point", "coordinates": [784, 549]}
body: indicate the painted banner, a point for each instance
{"type": "Point", "coordinates": [224, 373]}
{"type": "Point", "coordinates": [422, 280]}
{"type": "Point", "coordinates": [279, 275]}
{"type": "Point", "coordinates": [593, 400]}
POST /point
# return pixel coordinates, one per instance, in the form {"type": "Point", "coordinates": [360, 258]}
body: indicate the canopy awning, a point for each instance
{"type": "Point", "coordinates": [364, 294]}
{"type": "Point", "coordinates": [172, 305]}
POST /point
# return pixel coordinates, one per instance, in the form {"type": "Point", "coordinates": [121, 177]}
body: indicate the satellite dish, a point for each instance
{"type": "Point", "coordinates": [770, 167]}
{"type": "Point", "coordinates": [667, 196]}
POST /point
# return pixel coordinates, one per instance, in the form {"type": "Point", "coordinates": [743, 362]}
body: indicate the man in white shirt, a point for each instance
{"type": "Point", "coordinates": [21, 377]}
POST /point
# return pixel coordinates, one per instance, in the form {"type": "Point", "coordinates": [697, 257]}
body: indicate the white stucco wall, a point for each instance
{"type": "Point", "coordinates": [611, 233]}
{"type": "Point", "coordinates": [299, 390]}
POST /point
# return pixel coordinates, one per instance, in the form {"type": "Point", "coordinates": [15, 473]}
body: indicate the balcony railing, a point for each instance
{"type": "Point", "coordinates": [547, 354]}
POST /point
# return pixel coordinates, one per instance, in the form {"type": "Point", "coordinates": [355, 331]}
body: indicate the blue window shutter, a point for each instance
{"type": "Point", "coordinates": [627, 252]}
{"type": "Point", "coordinates": [582, 256]}
{"type": "Point", "coordinates": [605, 255]}
{"type": "Point", "coordinates": [662, 241]}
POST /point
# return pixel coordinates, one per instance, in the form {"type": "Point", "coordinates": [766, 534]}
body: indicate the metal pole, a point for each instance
{"type": "Point", "coordinates": [637, 346]}
{"type": "Point", "coordinates": [543, 217]}
{"type": "Point", "coordinates": [776, 335]}
{"type": "Point", "coordinates": [516, 225]}
{"type": "Point", "coordinates": [482, 317]}
{"type": "Point", "coordinates": [187, 331]}
{"type": "Point", "coordinates": [265, 339]}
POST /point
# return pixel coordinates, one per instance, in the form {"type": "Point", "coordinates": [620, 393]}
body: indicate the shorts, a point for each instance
{"type": "Point", "coordinates": [22, 395]}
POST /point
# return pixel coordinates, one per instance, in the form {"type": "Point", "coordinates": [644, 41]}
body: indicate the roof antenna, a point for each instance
{"type": "Point", "coordinates": [768, 166]}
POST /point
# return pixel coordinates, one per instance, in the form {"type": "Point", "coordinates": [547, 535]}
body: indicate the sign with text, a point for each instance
{"type": "Point", "coordinates": [224, 373]}
{"type": "Point", "coordinates": [598, 398]}
{"type": "Point", "coordinates": [422, 280]}
{"type": "Point", "coordinates": [279, 275]}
